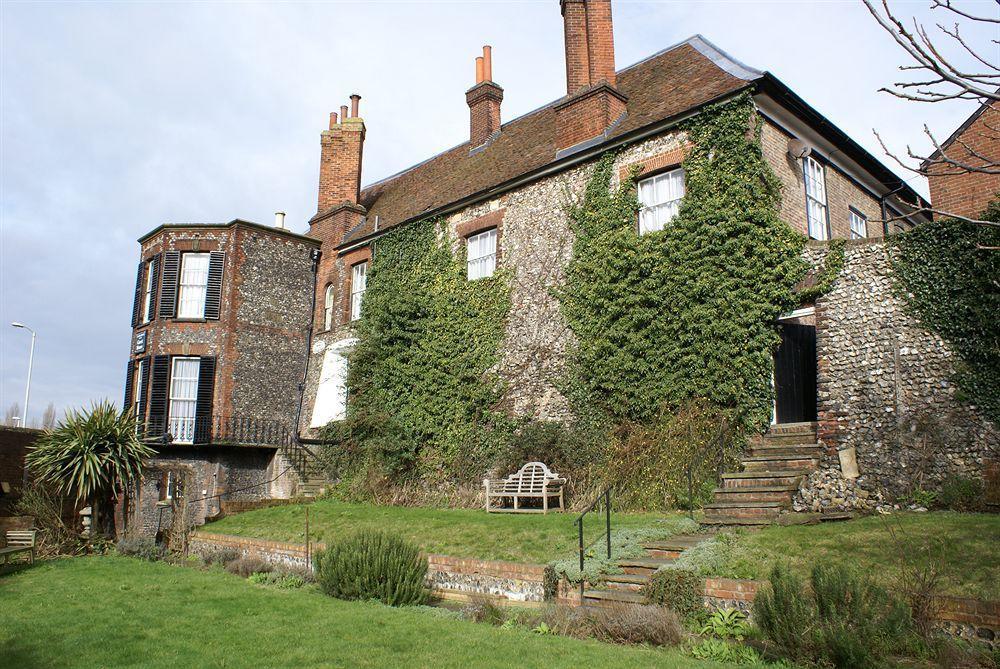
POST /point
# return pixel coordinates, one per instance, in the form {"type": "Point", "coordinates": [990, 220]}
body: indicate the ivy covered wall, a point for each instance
{"type": "Point", "coordinates": [689, 311]}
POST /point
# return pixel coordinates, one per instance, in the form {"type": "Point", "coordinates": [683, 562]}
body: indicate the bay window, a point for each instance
{"type": "Point", "coordinates": [183, 398]}
{"type": "Point", "coordinates": [193, 285]}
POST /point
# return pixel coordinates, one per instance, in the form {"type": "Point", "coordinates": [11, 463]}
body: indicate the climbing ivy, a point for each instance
{"type": "Point", "coordinates": [422, 379]}
{"type": "Point", "coordinates": [833, 263]}
{"type": "Point", "coordinates": [950, 282]}
{"type": "Point", "coordinates": [689, 311]}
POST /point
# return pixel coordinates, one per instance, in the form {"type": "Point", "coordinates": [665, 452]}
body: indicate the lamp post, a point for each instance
{"type": "Point", "coordinates": [27, 387]}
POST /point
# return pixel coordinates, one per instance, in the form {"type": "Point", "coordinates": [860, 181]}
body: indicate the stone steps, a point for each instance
{"type": "Point", "coordinates": [761, 479]}
{"type": "Point", "coordinates": [805, 450]}
{"type": "Point", "coordinates": [759, 494]}
{"type": "Point", "coordinates": [767, 463]}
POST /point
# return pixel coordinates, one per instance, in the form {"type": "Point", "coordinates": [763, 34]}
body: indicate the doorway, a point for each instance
{"type": "Point", "coordinates": [795, 373]}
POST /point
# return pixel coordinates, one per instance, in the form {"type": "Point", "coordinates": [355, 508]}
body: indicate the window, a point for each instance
{"type": "Point", "coordinates": [168, 486]}
{"type": "Point", "coordinates": [859, 225]}
{"type": "Point", "coordinates": [194, 285]}
{"type": "Point", "coordinates": [482, 254]}
{"type": "Point", "coordinates": [815, 198]}
{"type": "Point", "coordinates": [147, 295]}
{"type": "Point", "coordinates": [660, 200]}
{"type": "Point", "coordinates": [138, 378]}
{"type": "Point", "coordinates": [328, 307]}
{"type": "Point", "coordinates": [183, 398]}
{"type": "Point", "coordinates": [359, 281]}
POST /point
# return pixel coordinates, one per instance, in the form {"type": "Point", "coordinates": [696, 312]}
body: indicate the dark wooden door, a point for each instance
{"type": "Point", "coordinates": [795, 374]}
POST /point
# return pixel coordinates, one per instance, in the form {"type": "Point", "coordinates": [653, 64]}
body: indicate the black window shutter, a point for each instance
{"type": "Point", "coordinates": [168, 284]}
{"type": "Point", "coordinates": [129, 375]}
{"type": "Point", "coordinates": [159, 380]}
{"type": "Point", "coordinates": [203, 405]}
{"type": "Point", "coordinates": [154, 267]}
{"type": "Point", "coordinates": [137, 302]}
{"type": "Point", "coordinates": [213, 296]}
{"type": "Point", "coordinates": [144, 389]}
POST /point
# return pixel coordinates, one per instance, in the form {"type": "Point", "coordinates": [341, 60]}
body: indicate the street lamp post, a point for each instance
{"type": "Point", "coordinates": [27, 386]}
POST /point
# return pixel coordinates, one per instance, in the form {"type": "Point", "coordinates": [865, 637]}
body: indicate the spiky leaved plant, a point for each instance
{"type": "Point", "coordinates": [90, 455]}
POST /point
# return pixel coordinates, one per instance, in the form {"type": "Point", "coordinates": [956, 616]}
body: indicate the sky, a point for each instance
{"type": "Point", "coordinates": [116, 117]}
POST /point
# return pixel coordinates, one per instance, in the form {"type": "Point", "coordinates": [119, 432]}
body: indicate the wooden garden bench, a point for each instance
{"type": "Point", "coordinates": [533, 481]}
{"type": "Point", "coordinates": [19, 541]}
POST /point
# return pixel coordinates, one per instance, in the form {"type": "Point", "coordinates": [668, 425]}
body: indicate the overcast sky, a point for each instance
{"type": "Point", "coordinates": [117, 117]}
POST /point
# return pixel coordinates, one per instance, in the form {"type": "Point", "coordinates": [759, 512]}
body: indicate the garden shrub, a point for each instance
{"type": "Point", "coordinates": [144, 548]}
{"type": "Point", "coordinates": [373, 565]}
{"type": "Point", "coordinates": [219, 556]}
{"type": "Point", "coordinates": [961, 493]}
{"type": "Point", "coordinates": [723, 556]}
{"type": "Point", "coordinates": [681, 590]}
{"type": "Point", "coordinates": [634, 624]}
{"type": "Point", "coordinates": [45, 504]}
{"type": "Point", "coordinates": [480, 609]}
{"type": "Point", "coordinates": [282, 580]}
{"type": "Point", "coordinates": [244, 567]}
{"type": "Point", "coordinates": [717, 650]}
{"type": "Point", "coordinates": [844, 619]}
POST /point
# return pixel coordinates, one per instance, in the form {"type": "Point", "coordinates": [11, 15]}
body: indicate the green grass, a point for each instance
{"type": "Point", "coordinates": [121, 612]}
{"type": "Point", "coordinates": [966, 546]}
{"type": "Point", "coordinates": [458, 532]}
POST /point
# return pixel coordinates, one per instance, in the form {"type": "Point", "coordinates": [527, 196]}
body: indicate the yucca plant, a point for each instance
{"type": "Point", "coordinates": [90, 455]}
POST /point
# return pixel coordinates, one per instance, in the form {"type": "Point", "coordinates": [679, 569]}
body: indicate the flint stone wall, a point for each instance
{"type": "Point", "coordinates": [884, 385]}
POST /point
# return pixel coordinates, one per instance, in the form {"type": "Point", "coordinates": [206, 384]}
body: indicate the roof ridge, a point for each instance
{"type": "Point", "coordinates": [697, 41]}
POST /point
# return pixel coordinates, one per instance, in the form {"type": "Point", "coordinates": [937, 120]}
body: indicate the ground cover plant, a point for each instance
{"type": "Point", "coordinates": [962, 547]}
{"type": "Point", "coordinates": [115, 611]}
{"type": "Point", "coordinates": [457, 532]}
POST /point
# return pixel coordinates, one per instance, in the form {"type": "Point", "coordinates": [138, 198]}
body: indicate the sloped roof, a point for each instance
{"type": "Point", "coordinates": [667, 84]}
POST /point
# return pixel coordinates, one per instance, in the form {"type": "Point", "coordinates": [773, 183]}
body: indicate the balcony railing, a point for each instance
{"type": "Point", "coordinates": [218, 430]}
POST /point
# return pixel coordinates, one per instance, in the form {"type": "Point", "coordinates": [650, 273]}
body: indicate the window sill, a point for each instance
{"type": "Point", "coordinates": [190, 320]}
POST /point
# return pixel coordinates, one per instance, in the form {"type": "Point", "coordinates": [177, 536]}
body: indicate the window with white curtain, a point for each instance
{"type": "Point", "coordinates": [193, 285]}
{"type": "Point", "coordinates": [137, 388]}
{"type": "Point", "coordinates": [815, 179]}
{"type": "Point", "coordinates": [859, 225]}
{"type": "Point", "coordinates": [183, 398]}
{"type": "Point", "coordinates": [328, 307]}
{"type": "Point", "coordinates": [660, 200]}
{"type": "Point", "coordinates": [482, 254]}
{"type": "Point", "coordinates": [147, 295]}
{"type": "Point", "coordinates": [359, 282]}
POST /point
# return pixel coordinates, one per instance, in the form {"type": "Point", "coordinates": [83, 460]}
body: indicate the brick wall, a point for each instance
{"type": "Point", "coordinates": [969, 194]}
{"type": "Point", "coordinates": [842, 192]}
{"type": "Point", "coordinates": [14, 443]}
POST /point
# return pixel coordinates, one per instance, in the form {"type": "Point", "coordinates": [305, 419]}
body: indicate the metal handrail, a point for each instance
{"type": "Point", "coordinates": [606, 498]}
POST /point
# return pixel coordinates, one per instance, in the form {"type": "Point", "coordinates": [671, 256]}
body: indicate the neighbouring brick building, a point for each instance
{"type": "Point", "coordinates": [975, 143]}
{"type": "Point", "coordinates": [503, 194]}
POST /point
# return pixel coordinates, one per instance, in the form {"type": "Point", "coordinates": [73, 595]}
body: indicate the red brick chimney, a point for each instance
{"type": "Point", "coordinates": [340, 158]}
{"type": "Point", "coordinates": [593, 102]}
{"type": "Point", "coordinates": [484, 101]}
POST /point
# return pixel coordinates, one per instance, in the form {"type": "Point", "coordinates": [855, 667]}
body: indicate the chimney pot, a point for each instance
{"type": "Point", "coordinates": [333, 119]}
{"type": "Point", "coordinates": [487, 63]}
{"type": "Point", "coordinates": [343, 112]}
{"type": "Point", "coordinates": [480, 69]}
{"type": "Point", "coordinates": [355, 101]}
{"type": "Point", "coordinates": [279, 219]}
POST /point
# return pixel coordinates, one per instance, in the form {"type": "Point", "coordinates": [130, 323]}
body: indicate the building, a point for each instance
{"type": "Point", "coordinates": [221, 323]}
{"type": "Point", "coordinates": [499, 194]}
{"type": "Point", "coordinates": [975, 143]}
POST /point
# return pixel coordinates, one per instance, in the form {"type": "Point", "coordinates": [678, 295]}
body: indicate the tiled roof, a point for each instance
{"type": "Point", "coordinates": [665, 85]}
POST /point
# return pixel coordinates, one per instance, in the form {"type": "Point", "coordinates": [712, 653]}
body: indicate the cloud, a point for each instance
{"type": "Point", "coordinates": [119, 117]}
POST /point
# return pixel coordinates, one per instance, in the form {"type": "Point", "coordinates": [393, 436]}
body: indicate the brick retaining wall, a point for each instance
{"type": "Point", "coordinates": [459, 578]}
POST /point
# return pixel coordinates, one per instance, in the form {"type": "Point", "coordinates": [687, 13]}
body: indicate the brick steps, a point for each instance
{"type": "Point", "coordinates": [771, 473]}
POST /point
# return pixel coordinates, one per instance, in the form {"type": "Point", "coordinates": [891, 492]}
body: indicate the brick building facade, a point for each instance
{"type": "Point", "coordinates": [503, 195]}
{"type": "Point", "coordinates": [975, 143]}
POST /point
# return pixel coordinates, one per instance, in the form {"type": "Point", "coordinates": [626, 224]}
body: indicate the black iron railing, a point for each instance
{"type": "Point", "coordinates": [604, 499]}
{"type": "Point", "coordinates": [218, 430]}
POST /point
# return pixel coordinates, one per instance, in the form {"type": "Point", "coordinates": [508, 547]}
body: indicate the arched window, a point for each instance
{"type": "Point", "coordinates": [328, 307]}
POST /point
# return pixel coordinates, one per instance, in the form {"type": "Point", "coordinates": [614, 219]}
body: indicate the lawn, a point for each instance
{"type": "Point", "coordinates": [458, 532]}
{"type": "Point", "coordinates": [966, 546]}
{"type": "Point", "coordinates": [121, 612]}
